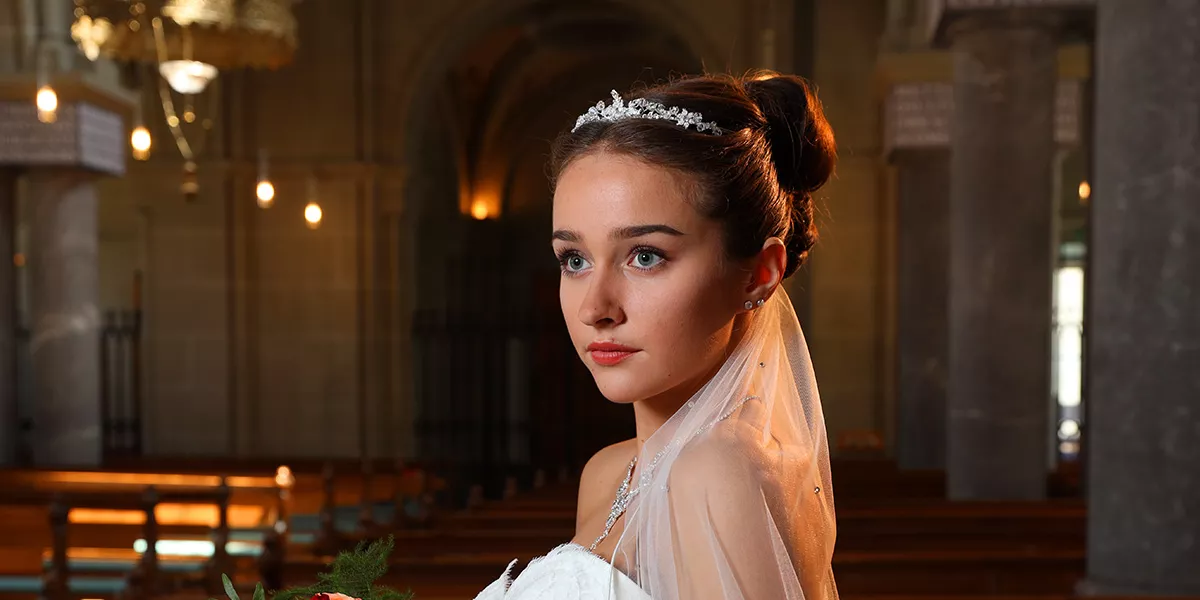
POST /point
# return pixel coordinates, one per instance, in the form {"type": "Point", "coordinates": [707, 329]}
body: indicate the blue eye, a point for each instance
{"type": "Point", "coordinates": [646, 259]}
{"type": "Point", "coordinates": [572, 262]}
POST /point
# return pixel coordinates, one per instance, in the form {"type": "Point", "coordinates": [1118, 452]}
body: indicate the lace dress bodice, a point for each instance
{"type": "Point", "coordinates": [569, 572]}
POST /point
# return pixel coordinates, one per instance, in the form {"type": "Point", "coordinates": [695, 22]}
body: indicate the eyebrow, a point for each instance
{"type": "Point", "coordinates": [621, 233]}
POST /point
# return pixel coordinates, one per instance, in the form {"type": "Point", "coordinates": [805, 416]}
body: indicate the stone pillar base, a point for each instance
{"type": "Point", "coordinates": [64, 340]}
{"type": "Point", "coordinates": [1091, 588]}
{"type": "Point", "coordinates": [1001, 260]}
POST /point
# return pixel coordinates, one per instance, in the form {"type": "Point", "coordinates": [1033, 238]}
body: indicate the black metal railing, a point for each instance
{"type": "Point", "coordinates": [506, 397]}
{"type": "Point", "coordinates": [120, 386]}
{"type": "Point", "coordinates": [473, 395]}
{"type": "Point", "coordinates": [120, 383]}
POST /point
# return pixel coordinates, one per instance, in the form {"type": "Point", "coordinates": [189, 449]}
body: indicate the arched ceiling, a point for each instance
{"type": "Point", "coordinates": [514, 87]}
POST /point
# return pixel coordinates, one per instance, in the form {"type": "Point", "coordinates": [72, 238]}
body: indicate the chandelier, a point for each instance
{"type": "Point", "coordinates": [190, 42]}
{"type": "Point", "coordinates": [224, 34]}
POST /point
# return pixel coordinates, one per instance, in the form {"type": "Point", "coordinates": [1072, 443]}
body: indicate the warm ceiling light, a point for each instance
{"type": "Point", "coordinates": [479, 210]}
{"type": "Point", "coordinates": [1085, 191]}
{"type": "Point", "coordinates": [187, 76]}
{"type": "Point", "coordinates": [47, 104]}
{"type": "Point", "coordinates": [265, 193]}
{"type": "Point", "coordinates": [312, 214]}
{"type": "Point", "coordinates": [140, 141]}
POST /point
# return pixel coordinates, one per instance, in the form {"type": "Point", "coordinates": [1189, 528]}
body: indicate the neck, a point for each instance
{"type": "Point", "coordinates": [651, 413]}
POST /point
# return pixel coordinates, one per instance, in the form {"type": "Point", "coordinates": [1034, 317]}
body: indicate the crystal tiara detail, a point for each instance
{"type": "Point", "coordinates": [641, 108]}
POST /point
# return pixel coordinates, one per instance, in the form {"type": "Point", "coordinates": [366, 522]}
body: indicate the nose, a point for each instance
{"type": "Point", "coordinates": [601, 306]}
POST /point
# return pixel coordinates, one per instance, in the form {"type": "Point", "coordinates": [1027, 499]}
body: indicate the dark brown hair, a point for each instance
{"type": "Point", "coordinates": [758, 176]}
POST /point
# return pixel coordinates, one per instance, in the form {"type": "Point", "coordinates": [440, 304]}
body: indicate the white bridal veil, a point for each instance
{"type": "Point", "coordinates": [735, 499]}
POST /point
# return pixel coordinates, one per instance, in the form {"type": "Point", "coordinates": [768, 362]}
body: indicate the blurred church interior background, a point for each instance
{"type": "Point", "coordinates": [280, 282]}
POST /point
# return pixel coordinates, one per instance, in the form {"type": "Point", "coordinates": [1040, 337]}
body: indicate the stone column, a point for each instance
{"type": "Point", "coordinates": [1002, 215]}
{"type": "Point", "coordinates": [64, 328]}
{"type": "Point", "coordinates": [9, 429]}
{"type": "Point", "coordinates": [923, 281]}
{"type": "Point", "coordinates": [1143, 407]}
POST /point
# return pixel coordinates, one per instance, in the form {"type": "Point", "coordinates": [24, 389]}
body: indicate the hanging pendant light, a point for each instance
{"type": "Point", "coordinates": [46, 98]}
{"type": "Point", "coordinates": [139, 139]}
{"type": "Point", "coordinates": [47, 104]}
{"type": "Point", "coordinates": [140, 142]}
{"type": "Point", "coordinates": [264, 192]}
{"type": "Point", "coordinates": [187, 76]}
{"type": "Point", "coordinates": [312, 211]}
{"type": "Point", "coordinates": [313, 215]}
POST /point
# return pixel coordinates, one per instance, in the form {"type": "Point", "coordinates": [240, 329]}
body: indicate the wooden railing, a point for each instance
{"type": "Point", "coordinates": [147, 579]}
{"type": "Point", "coordinates": [411, 486]}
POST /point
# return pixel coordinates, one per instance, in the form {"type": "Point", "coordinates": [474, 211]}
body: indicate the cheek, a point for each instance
{"type": "Point", "coordinates": [684, 319]}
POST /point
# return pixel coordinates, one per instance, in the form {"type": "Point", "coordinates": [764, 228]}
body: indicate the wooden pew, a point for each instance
{"type": "Point", "coordinates": [146, 579]}
{"type": "Point", "coordinates": [926, 547]}
{"type": "Point", "coordinates": [910, 540]}
{"type": "Point", "coordinates": [408, 483]}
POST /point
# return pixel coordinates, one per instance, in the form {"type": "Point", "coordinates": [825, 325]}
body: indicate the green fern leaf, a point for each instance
{"type": "Point", "coordinates": [352, 573]}
{"type": "Point", "coordinates": [229, 591]}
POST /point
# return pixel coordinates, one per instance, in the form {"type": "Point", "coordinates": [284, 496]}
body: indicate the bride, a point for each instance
{"type": "Point", "coordinates": [676, 217]}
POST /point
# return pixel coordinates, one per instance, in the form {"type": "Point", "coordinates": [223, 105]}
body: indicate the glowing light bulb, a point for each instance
{"type": "Point", "coordinates": [1068, 429]}
{"type": "Point", "coordinates": [284, 477]}
{"type": "Point", "coordinates": [47, 104]}
{"type": "Point", "coordinates": [187, 76]}
{"type": "Point", "coordinates": [265, 193]}
{"type": "Point", "coordinates": [479, 210]}
{"type": "Point", "coordinates": [312, 214]}
{"type": "Point", "coordinates": [1085, 191]}
{"type": "Point", "coordinates": [140, 141]}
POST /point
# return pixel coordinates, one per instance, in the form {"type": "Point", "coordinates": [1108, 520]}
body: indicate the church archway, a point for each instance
{"type": "Point", "coordinates": [498, 388]}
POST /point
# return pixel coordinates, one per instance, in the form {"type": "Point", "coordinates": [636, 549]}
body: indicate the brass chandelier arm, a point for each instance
{"type": "Point", "coordinates": [164, 93]}
{"type": "Point", "coordinates": [190, 42]}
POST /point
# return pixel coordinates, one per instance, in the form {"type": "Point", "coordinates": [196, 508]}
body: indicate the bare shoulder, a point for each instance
{"type": "Point", "coordinates": [601, 476]}
{"type": "Point", "coordinates": [731, 456]}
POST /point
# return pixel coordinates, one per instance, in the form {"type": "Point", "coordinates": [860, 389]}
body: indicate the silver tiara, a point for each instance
{"type": "Point", "coordinates": [641, 108]}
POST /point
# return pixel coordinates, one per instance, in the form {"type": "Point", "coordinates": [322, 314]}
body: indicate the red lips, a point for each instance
{"type": "Point", "coordinates": [609, 353]}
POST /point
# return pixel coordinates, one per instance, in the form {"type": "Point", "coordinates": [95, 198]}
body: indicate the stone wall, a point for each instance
{"type": "Point", "coordinates": [265, 338]}
{"type": "Point", "coordinates": [850, 264]}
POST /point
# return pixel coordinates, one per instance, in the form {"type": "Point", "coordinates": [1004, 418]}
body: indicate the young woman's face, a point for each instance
{"type": "Point", "coordinates": [646, 291]}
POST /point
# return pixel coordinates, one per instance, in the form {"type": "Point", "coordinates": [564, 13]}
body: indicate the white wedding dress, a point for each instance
{"type": "Point", "coordinates": [569, 572]}
{"type": "Point", "coordinates": [734, 500]}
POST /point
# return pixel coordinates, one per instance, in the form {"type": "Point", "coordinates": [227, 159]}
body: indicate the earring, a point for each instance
{"type": "Point", "coordinates": [749, 305]}
{"type": "Point", "coordinates": [759, 302]}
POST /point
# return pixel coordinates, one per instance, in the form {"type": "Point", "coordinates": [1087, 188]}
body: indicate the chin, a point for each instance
{"type": "Point", "coordinates": [621, 387]}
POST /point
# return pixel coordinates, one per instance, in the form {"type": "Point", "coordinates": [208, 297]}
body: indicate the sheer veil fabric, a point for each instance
{"type": "Point", "coordinates": [735, 499]}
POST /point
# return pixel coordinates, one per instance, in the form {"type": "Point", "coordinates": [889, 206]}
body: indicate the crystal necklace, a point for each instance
{"type": "Point", "coordinates": [626, 495]}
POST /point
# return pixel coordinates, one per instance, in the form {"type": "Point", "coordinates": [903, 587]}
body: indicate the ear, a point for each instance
{"type": "Point", "coordinates": [766, 272]}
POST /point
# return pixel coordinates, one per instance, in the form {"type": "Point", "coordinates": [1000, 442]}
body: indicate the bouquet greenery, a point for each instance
{"type": "Point", "coordinates": [352, 576]}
